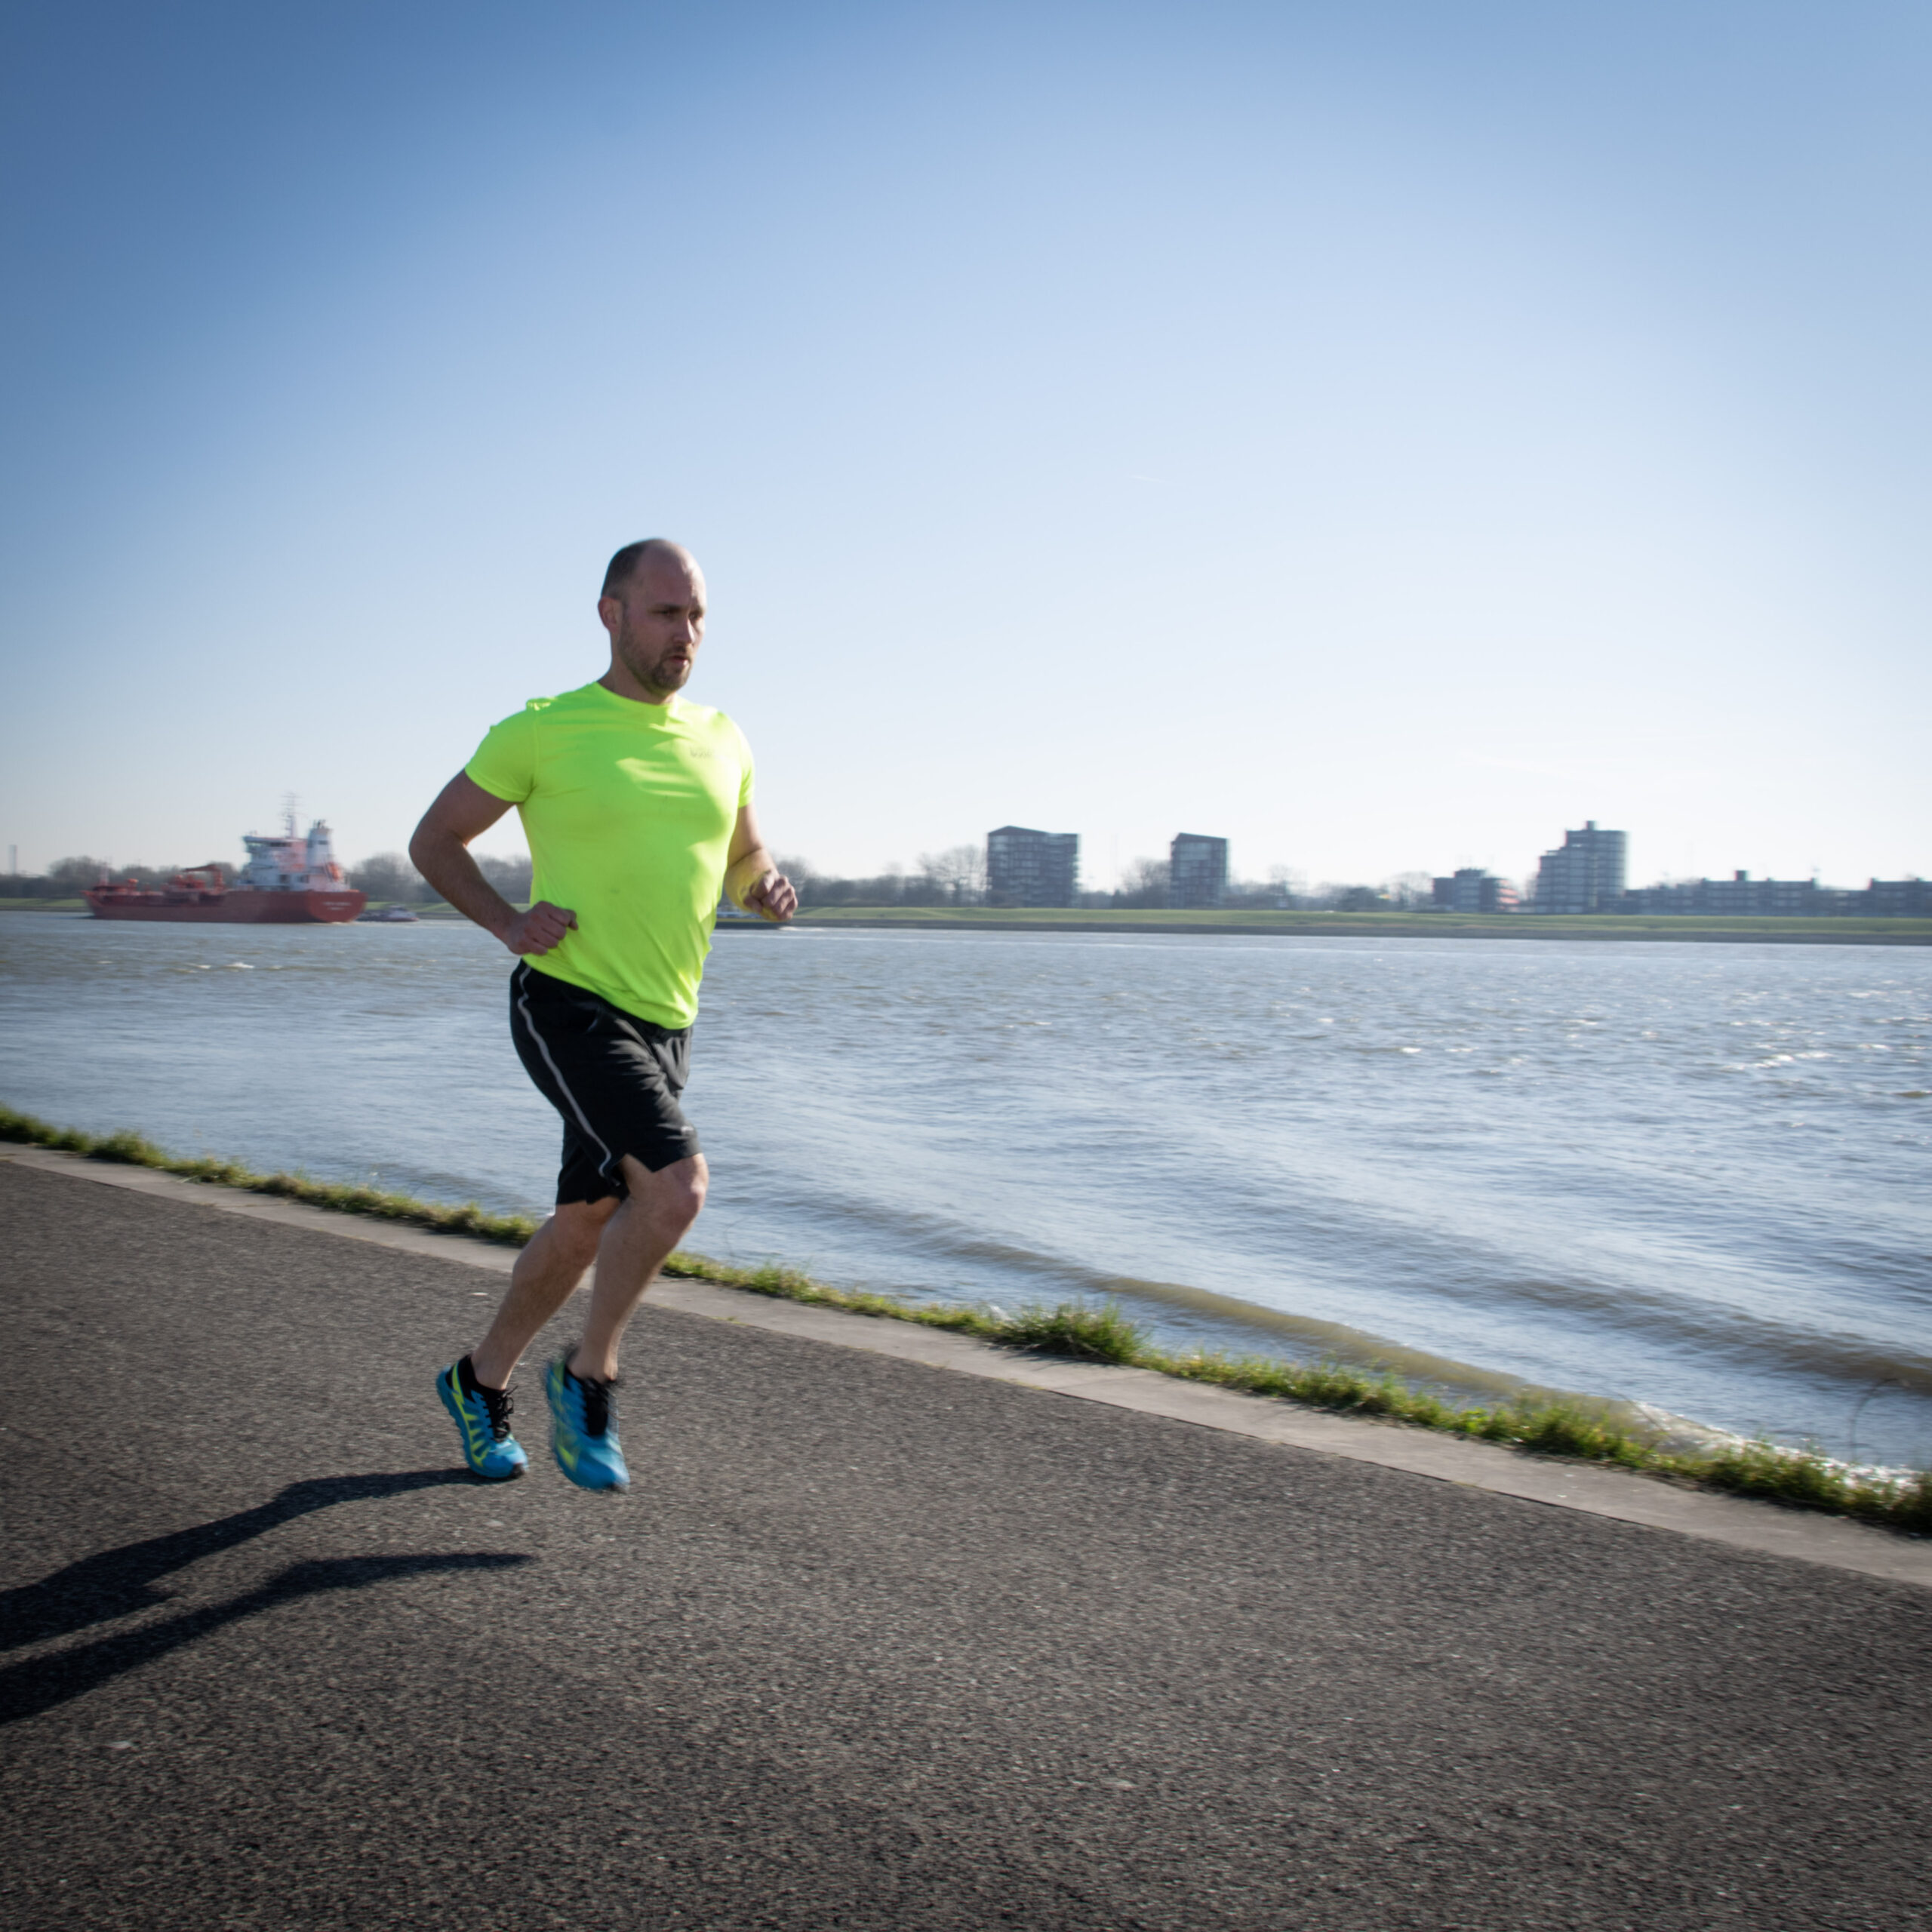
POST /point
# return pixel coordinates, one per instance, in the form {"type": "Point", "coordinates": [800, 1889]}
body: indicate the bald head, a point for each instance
{"type": "Point", "coordinates": [635, 558]}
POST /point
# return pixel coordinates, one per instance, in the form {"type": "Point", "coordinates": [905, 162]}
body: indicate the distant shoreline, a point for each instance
{"type": "Point", "coordinates": [1687, 929]}
{"type": "Point", "coordinates": [1382, 925]}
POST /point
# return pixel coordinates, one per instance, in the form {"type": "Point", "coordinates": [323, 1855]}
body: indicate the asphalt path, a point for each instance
{"type": "Point", "coordinates": [869, 1645]}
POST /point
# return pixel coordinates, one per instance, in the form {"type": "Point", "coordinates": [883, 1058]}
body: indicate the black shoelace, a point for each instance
{"type": "Point", "coordinates": [596, 1402]}
{"type": "Point", "coordinates": [498, 1403]}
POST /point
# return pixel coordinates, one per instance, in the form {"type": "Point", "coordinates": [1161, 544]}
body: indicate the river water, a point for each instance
{"type": "Point", "coordinates": [1694, 1176]}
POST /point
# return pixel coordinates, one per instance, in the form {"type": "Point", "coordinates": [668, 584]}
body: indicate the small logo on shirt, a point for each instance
{"type": "Point", "coordinates": [696, 750]}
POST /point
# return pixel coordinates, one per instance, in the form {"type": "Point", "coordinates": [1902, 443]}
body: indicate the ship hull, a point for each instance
{"type": "Point", "coordinates": [233, 908]}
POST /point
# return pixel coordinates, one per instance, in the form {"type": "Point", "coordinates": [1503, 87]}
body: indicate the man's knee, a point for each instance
{"type": "Point", "coordinates": [684, 1183]}
{"type": "Point", "coordinates": [677, 1192]}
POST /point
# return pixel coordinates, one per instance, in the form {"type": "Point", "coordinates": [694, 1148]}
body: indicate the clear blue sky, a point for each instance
{"type": "Point", "coordinates": [1384, 434]}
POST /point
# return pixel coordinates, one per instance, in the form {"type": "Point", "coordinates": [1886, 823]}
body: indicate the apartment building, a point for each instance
{"type": "Point", "coordinates": [1025, 867]}
{"type": "Point", "coordinates": [1470, 889]}
{"type": "Point", "coordinates": [1585, 874]}
{"type": "Point", "coordinates": [1197, 871]}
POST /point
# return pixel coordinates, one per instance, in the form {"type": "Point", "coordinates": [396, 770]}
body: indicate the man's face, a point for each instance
{"type": "Point", "coordinates": [656, 622]}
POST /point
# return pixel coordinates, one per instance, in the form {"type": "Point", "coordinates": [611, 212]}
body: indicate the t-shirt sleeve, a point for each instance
{"type": "Point", "coordinates": [505, 761]}
{"type": "Point", "coordinates": [745, 787]}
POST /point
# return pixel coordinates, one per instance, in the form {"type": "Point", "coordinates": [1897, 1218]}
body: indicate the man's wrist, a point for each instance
{"type": "Point", "coordinates": [747, 875]}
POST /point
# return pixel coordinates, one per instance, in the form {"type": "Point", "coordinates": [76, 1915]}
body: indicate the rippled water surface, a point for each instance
{"type": "Point", "coordinates": [1695, 1176]}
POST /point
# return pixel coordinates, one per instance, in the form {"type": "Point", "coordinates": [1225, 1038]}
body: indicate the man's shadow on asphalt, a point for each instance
{"type": "Point", "coordinates": [115, 1583]}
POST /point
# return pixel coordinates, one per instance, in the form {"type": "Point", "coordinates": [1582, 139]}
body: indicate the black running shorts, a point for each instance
{"type": "Point", "coordinates": [615, 1078]}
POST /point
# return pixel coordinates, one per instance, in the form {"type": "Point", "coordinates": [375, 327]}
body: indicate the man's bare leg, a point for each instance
{"type": "Point", "coordinates": [628, 1240]}
{"type": "Point", "coordinates": [656, 1215]}
{"type": "Point", "coordinates": [546, 1273]}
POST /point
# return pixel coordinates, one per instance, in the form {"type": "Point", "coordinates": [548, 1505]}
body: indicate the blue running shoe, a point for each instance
{"type": "Point", "coordinates": [483, 1419]}
{"type": "Point", "coordinates": [583, 1430]}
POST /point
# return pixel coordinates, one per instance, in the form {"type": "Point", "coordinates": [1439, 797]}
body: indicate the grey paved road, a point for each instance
{"type": "Point", "coordinates": [869, 1646]}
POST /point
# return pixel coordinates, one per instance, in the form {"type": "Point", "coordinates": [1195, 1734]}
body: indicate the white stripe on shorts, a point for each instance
{"type": "Point", "coordinates": [607, 1165]}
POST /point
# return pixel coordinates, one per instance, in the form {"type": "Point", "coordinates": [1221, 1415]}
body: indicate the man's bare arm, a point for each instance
{"type": "Point", "coordinates": [440, 851]}
{"type": "Point", "coordinates": [752, 881]}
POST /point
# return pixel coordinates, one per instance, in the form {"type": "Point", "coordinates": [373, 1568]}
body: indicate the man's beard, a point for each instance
{"type": "Point", "coordinates": [659, 674]}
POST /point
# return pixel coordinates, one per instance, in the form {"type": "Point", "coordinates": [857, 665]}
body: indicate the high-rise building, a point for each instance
{"type": "Point", "coordinates": [1585, 874]}
{"type": "Point", "coordinates": [1197, 871]}
{"type": "Point", "coordinates": [1029, 868]}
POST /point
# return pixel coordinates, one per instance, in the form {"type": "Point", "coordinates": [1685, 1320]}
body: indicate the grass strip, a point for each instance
{"type": "Point", "coordinates": [1102, 1332]}
{"type": "Point", "coordinates": [344, 1198]}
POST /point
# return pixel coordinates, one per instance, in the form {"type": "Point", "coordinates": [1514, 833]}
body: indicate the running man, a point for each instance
{"type": "Point", "coordinates": [637, 805]}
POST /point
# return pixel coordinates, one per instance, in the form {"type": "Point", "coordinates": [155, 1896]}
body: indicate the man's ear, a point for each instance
{"type": "Point", "coordinates": [610, 613]}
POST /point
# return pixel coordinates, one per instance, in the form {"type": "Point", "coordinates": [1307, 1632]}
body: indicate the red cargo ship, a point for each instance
{"type": "Point", "coordinates": [288, 882]}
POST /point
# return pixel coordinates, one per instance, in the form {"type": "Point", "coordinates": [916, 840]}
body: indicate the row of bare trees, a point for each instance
{"type": "Point", "coordinates": [954, 877]}
{"type": "Point", "coordinates": [68, 878]}
{"type": "Point", "coordinates": [388, 877]}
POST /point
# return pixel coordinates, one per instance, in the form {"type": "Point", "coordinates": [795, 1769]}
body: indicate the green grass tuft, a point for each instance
{"type": "Point", "coordinates": [1078, 1329]}
{"type": "Point", "coordinates": [1086, 1331]}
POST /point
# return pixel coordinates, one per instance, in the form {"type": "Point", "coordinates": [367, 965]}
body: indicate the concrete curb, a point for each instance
{"type": "Point", "coordinates": [1766, 1527]}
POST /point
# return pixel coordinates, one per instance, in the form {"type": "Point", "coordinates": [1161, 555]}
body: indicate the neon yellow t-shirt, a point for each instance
{"type": "Point", "coordinates": [628, 809]}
